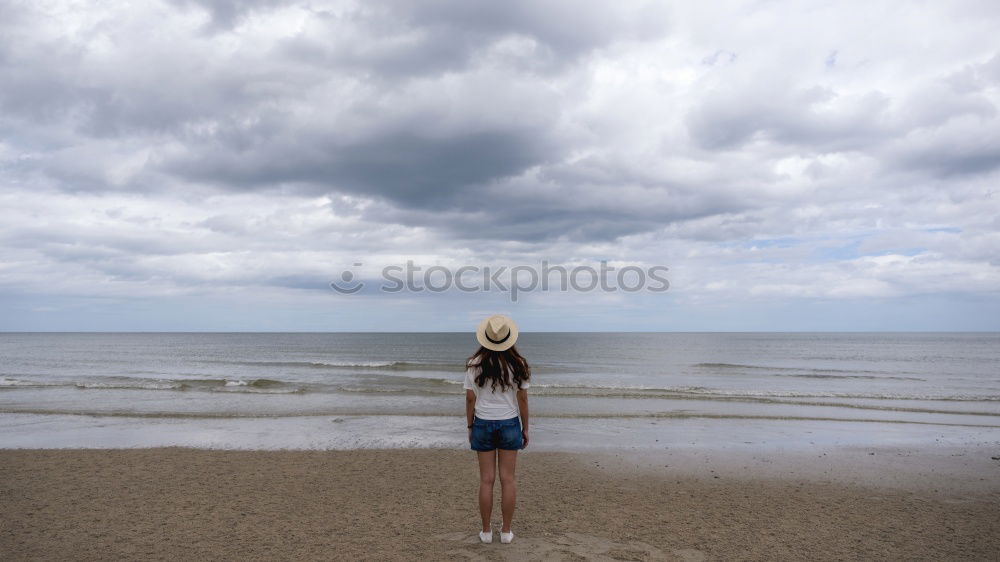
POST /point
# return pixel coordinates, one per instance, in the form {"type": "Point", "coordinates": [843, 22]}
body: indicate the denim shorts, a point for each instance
{"type": "Point", "coordinates": [496, 434]}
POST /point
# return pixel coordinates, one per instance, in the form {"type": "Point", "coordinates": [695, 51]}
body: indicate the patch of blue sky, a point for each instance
{"type": "Point", "coordinates": [849, 251]}
{"type": "Point", "coordinates": [853, 250]}
{"type": "Point", "coordinates": [787, 242]}
{"type": "Point", "coordinates": [819, 249]}
{"type": "Point", "coordinates": [782, 243]}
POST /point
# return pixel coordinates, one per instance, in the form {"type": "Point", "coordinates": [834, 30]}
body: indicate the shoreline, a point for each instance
{"type": "Point", "coordinates": [195, 503]}
{"type": "Point", "coordinates": [360, 431]}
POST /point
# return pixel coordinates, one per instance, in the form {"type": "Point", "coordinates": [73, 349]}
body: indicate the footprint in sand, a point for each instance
{"type": "Point", "coordinates": [566, 547]}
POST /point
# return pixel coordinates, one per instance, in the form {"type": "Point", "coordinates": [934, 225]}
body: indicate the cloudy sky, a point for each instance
{"type": "Point", "coordinates": [214, 165]}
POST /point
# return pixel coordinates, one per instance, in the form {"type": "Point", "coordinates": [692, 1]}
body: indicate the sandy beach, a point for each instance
{"type": "Point", "coordinates": [418, 504]}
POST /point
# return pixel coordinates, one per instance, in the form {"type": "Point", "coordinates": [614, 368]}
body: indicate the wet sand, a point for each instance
{"type": "Point", "coordinates": [419, 504]}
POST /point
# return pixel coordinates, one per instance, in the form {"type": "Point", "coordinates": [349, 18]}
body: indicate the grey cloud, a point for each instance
{"type": "Point", "coordinates": [526, 211]}
{"type": "Point", "coordinates": [135, 106]}
{"type": "Point", "coordinates": [406, 168]}
{"type": "Point", "coordinates": [402, 38]}
{"type": "Point", "coordinates": [224, 14]}
{"type": "Point", "coordinates": [727, 120]}
{"type": "Point", "coordinates": [406, 162]}
{"type": "Point", "coordinates": [948, 153]}
{"type": "Point", "coordinates": [973, 78]}
{"type": "Point", "coordinates": [569, 27]}
{"type": "Point", "coordinates": [76, 243]}
{"type": "Point", "coordinates": [947, 127]}
{"type": "Point", "coordinates": [58, 85]}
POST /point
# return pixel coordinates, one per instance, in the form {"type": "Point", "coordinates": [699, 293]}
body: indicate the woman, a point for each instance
{"type": "Point", "coordinates": [496, 383]}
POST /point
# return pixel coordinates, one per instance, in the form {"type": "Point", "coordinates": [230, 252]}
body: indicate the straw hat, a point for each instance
{"type": "Point", "coordinates": [498, 332]}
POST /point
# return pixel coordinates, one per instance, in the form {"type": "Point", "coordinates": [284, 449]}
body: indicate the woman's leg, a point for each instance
{"type": "Point", "coordinates": [508, 487]}
{"type": "Point", "coordinates": [487, 475]}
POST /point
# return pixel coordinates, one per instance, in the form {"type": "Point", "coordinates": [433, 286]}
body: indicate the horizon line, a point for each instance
{"type": "Point", "coordinates": [522, 331]}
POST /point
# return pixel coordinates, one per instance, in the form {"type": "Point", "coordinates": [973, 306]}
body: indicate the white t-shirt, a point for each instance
{"type": "Point", "coordinates": [493, 404]}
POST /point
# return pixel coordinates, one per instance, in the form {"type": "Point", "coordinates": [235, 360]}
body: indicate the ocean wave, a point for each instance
{"type": "Point", "coordinates": [308, 364]}
{"type": "Point", "coordinates": [382, 384]}
{"type": "Point", "coordinates": [346, 365]}
{"type": "Point", "coordinates": [441, 388]}
{"type": "Point", "coordinates": [18, 383]}
{"type": "Point", "coordinates": [140, 383]}
{"type": "Point", "coordinates": [231, 385]}
{"type": "Point", "coordinates": [806, 372]}
{"type": "Point", "coordinates": [716, 393]}
{"type": "Point", "coordinates": [819, 375]}
{"type": "Point", "coordinates": [336, 413]}
{"type": "Point", "coordinates": [373, 383]}
{"type": "Point", "coordinates": [387, 365]}
{"type": "Point", "coordinates": [137, 385]}
{"type": "Point", "coordinates": [241, 385]}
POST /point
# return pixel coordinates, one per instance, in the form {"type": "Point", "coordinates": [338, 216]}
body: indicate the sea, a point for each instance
{"type": "Point", "coordinates": [608, 391]}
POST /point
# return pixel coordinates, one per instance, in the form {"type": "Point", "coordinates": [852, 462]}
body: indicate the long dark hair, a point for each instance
{"type": "Point", "coordinates": [505, 368]}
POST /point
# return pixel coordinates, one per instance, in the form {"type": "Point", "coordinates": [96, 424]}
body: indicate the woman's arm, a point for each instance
{"type": "Point", "coordinates": [522, 406]}
{"type": "Point", "coordinates": [470, 408]}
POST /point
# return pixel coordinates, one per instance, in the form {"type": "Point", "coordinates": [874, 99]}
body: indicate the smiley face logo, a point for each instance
{"type": "Point", "coordinates": [346, 285]}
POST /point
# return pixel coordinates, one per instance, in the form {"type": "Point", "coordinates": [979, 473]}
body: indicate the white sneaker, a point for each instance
{"type": "Point", "coordinates": [486, 537]}
{"type": "Point", "coordinates": [505, 538]}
